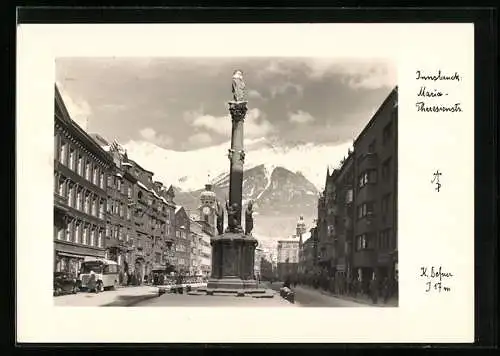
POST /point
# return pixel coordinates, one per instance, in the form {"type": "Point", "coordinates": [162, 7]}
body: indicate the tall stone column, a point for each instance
{"type": "Point", "coordinates": [237, 158]}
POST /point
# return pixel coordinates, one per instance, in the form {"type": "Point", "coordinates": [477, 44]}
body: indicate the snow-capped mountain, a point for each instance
{"type": "Point", "coordinates": [279, 195]}
{"type": "Point", "coordinates": [189, 170]}
{"type": "Point", "coordinates": [282, 180]}
{"type": "Point", "coordinates": [274, 191]}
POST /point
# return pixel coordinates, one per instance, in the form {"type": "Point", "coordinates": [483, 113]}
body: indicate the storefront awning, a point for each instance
{"type": "Point", "coordinates": [66, 254]}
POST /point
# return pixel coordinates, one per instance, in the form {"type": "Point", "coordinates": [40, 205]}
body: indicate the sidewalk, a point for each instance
{"type": "Point", "coordinates": [362, 299]}
{"type": "Point", "coordinates": [123, 296]}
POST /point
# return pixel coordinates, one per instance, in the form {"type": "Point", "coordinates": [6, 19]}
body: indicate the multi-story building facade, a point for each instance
{"type": "Point", "coordinates": [81, 169]}
{"type": "Point", "coordinates": [375, 194]}
{"type": "Point", "coordinates": [343, 214]}
{"type": "Point", "coordinates": [309, 252]}
{"type": "Point", "coordinates": [288, 258]}
{"type": "Point", "coordinates": [120, 220]}
{"type": "Point", "coordinates": [326, 225]}
{"type": "Point", "coordinates": [201, 250]}
{"type": "Point", "coordinates": [182, 240]}
{"type": "Point", "coordinates": [266, 269]}
{"type": "Point", "coordinates": [168, 211]}
{"type": "Point", "coordinates": [206, 253]}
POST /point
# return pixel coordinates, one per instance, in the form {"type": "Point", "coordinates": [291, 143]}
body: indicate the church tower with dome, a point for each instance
{"type": "Point", "coordinates": [208, 207]}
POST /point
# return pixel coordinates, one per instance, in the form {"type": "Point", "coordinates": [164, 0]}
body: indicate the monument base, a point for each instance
{"type": "Point", "coordinates": [232, 265]}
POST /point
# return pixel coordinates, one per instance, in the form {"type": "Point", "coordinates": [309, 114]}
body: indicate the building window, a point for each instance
{"type": "Point", "coordinates": [115, 232]}
{"type": "Point", "coordinates": [62, 187]}
{"type": "Point", "coordinates": [362, 242]}
{"type": "Point", "coordinates": [120, 233]}
{"type": "Point", "coordinates": [85, 235]}
{"type": "Point", "coordinates": [72, 156]}
{"type": "Point", "coordinates": [368, 177]}
{"type": "Point", "coordinates": [99, 241]}
{"type": "Point", "coordinates": [365, 209]}
{"type": "Point", "coordinates": [385, 203]}
{"type": "Point", "coordinates": [108, 230]}
{"type": "Point", "coordinates": [92, 237]}
{"type": "Point", "coordinates": [110, 182]}
{"type": "Point", "coordinates": [128, 213]}
{"type": "Point", "coordinates": [101, 209]}
{"type": "Point", "coordinates": [387, 133]}
{"type": "Point", "coordinates": [349, 196]}
{"type": "Point", "coordinates": [122, 210]}
{"type": "Point", "coordinates": [78, 232]}
{"type": "Point", "coordinates": [95, 178]}
{"type": "Point", "coordinates": [129, 192]}
{"type": "Point", "coordinates": [71, 196]}
{"type": "Point", "coordinates": [387, 169]}
{"type": "Point", "coordinates": [94, 207]}
{"type": "Point", "coordinates": [79, 199]}
{"type": "Point", "coordinates": [87, 204]}
{"type": "Point", "coordinates": [88, 171]}
{"type": "Point", "coordinates": [79, 167]}
{"type": "Point", "coordinates": [63, 153]}
{"type": "Point", "coordinates": [69, 231]}
{"type": "Point", "coordinates": [101, 180]}
{"type": "Point", "coordinates": [119, 184]}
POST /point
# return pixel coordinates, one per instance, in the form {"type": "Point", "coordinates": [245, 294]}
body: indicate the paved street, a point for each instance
{"type": "Point", "coordinates": [185, 300]}
{"type": "Point", "coordinates": [308, 297]}
{"type": "Point", "coordinates": [121, 297]}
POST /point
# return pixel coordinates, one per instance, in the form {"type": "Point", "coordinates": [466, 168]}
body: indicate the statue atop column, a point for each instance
{"type": "Point", "coordinates": [238, 86]}
{"type": "Point", "coordinates": [220, 218]}
{"type": "Point", "coordinates": [249, 218]}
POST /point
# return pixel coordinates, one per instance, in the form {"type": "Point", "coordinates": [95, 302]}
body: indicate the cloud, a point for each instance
{"type": "Point", "coordinates": [254, 94]}
{"type": "Point", "coordinates": [200, 139]}
{"type": "Point", "coordinates": [220, 125]}
{"type": "Point", "coordinates": [151, 135]}
{"type": "Point", "coordinates": [286, 88]}
{"type": "Point", "coordinates": [256, 124]}
{"type": "Point", "coordinates": [300, 117]}
{"type": "Point", "coordinates": [78, 108]}
{"type": "Point", "coordinates": [374, 74]}
{"type": "Point", "coordinates": [274, 68]}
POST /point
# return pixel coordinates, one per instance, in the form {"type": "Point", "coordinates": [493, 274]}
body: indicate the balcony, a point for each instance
{"type": "Point", "coordinates": [369, 160]}
{"type": "Point", "coordinates": [60, 202]}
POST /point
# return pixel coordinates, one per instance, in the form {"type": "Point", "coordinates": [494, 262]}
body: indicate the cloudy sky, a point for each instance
{"type": "Point", "coordinates": [180, 103]}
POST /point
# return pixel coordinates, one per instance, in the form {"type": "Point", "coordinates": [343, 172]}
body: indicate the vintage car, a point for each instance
{"type": "Point", "coordinates": [64, 283]}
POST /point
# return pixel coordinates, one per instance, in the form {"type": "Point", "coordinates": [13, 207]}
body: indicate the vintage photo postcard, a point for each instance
{"type": "Point", "coordinates": [200, 175]}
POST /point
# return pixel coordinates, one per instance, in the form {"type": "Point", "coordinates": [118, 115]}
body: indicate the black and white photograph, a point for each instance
{"type": "Point", "coordinates": [225, 182]}
{"type": "Point", "coordinates": [245, 175]}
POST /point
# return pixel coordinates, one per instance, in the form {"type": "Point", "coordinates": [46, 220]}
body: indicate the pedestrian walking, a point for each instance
{"type": "Point", "coordinates": [385, 289]}
{"type": "Point", "coordinates": [92, 285]}
{"type": "Point", "coordinates": [373, 289]}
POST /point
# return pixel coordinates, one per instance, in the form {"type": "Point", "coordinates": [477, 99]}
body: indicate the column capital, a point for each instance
{"type": "Point", "coordinates": [238, 110]}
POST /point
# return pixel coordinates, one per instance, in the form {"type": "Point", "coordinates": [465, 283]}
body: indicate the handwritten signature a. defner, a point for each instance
{"type": "Point", "coordinates": [436, 278]}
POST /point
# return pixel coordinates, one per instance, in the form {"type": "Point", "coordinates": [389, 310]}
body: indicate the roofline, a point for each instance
{"type": "Point", "coordinates": [139, 166]}
{"type": "Point", "coordinates": [69, 121]}
{"type": "Point", "coordinates": [393, 92]}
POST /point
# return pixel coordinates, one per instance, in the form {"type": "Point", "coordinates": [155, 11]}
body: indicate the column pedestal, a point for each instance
{"type": "Point", "coordinates": [232, 264]}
